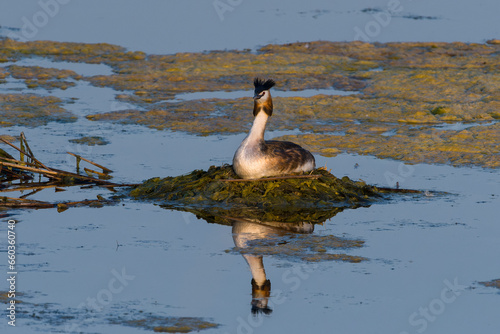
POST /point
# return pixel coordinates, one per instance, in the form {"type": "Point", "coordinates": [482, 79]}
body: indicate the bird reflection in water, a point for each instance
{"type": "Point", "coordinates": [245, 232]}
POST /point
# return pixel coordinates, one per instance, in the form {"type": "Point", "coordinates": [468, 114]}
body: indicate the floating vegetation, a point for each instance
{"type": "Point", "coordinates": [494, 283]}
{"type": "Point", "coordinates": [89, 141]}
{"type": "Point", "coordinates": [217, 187]}
{"type": "Point", "coordinates": [48, 78]}
{"type": "Point", "coordinates": [405, 91]}
{"type": "Point", "coordinates": [477, 145]}
{"type": "Point", "coordinates": [32, 110]}
{"type": "Point", "coordinates": [57, 318]}
{"type": "Point", "coordinates": [3, 74]}
{"type": "Point", "coordinates": [219, 196]}
{"type": "Point", "coordinates": [166, 324]}
{"type": "Point", "coordinates": [419, 17]}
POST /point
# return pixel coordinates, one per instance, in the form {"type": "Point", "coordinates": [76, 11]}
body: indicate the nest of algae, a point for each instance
{"type": "Point", "coordinates": [213, 195]}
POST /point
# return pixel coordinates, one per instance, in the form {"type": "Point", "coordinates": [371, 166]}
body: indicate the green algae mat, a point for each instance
{"type": "Point", "coordinates": [414, 102]}
{"type": "Point", "coordinates": [212, 186]}
{"type": "Point", "coordinates": [215, 196]}
{"type": "Point", "coordinates": [32, 110]}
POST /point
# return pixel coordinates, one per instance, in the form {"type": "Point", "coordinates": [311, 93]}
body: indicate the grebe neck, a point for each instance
{"type": "Point", "coordinates": [256, 265]}
{"type": "Point", "coordinates": [258, 128]}
{"type": "Point", "coordinates": [262, 109]}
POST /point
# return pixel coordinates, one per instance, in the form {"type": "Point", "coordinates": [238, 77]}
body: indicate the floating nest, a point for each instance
{"type": "Point", "coordinates": [221, 186]}
{"type": "Point", "coordinates": [217, 193]}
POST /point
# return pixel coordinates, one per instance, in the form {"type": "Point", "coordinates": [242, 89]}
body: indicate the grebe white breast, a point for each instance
{"type": "Point", "coordinates": [256, 158]}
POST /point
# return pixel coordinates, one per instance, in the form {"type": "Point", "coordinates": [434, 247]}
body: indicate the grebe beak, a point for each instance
{"type": "Point", "coordinates": [258, 96]}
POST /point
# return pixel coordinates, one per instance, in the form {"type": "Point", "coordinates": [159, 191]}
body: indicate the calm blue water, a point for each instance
{"type": "Point", "coordinates": [169, 26]}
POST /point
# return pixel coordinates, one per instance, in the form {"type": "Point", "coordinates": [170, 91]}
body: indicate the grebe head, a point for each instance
{"type": "Point", "coordinates": [262, 96]}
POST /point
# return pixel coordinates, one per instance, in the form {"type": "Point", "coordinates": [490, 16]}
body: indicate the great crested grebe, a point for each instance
{"type": "Point", "coordinates": [256, 158]}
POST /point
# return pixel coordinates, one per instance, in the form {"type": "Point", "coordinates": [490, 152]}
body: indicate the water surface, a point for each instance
{"type": "Point", "coordinates": [177, 265]}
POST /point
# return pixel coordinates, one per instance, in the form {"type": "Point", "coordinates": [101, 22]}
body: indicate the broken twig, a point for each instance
{"type": "Point", "coordinates": [314, 176]}
{"type": "Point", "coordinates": [104, 169]}
{"type": "Point", "coordinates": [25, 153]}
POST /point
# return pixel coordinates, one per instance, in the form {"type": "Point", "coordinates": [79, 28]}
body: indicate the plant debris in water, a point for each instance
{"type": "Point", "coordinates": [211, 188]}
{"type": "Point", "coordinates": [494, 283]}
{"type": "Point", "coordinates": [166, 324]}
{"type": "Point", "coordinates": [18, 175]}
{"type": "Point", "coordinates": [4, 154]}
{"type": "Point", "coordinates": [48, 78]}
{"type": "Point", "coordinates": [90, 141]}
{"type": "Point", "coordinates": [218, 195]}
{"type": "Point", "coordinates": [32, 110]}
{"type": "Point", "coordinates": [55, 318]}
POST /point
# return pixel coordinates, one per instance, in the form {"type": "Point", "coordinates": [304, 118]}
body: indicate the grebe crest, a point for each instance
{"type": "Point", "coordinates": [256, 158]}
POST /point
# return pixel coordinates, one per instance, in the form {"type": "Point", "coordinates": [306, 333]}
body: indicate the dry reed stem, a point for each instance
{"type": "Point", "coordinates": [104, 169]}
{"type": "Point", "coordinates": [13, 202]}
{"type": "Point", "coordinates": [314, 176]}
{"type": "Point", "coordinates": [32, 186]}
{"type": "Point", "coordinates": [25, 153]}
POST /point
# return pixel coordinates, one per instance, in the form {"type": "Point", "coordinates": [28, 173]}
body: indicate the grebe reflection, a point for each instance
{"type": "Point", "coordinates": [244, 232]}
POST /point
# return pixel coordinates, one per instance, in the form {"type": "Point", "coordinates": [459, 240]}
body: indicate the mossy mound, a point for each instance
{"type": "Point", "coordinates": [211, 188]}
